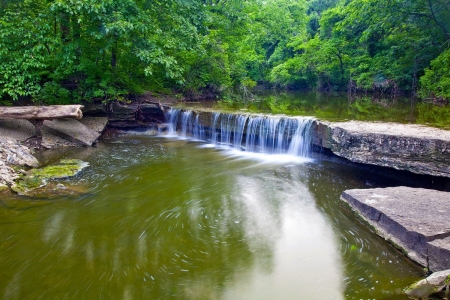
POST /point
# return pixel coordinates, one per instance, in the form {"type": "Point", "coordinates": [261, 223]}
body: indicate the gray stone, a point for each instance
{"type": "Point", "coordinates": [439, 253]}
{"type": "Point", "coordinates": [72, 130]}
{"type": "Point", "coordinates": [16, 130]}
{"type": "Point", "coordinates": [7, 176]}
{"type": "Point", "coordinates": [414, 220]}
{"type": "Point", "coordinates": [97, 124]}
{"type": "Point", "coordinates": [50, 141]}
{"type": "Point", "coordinates": [433, 284]}
{"type": "Point", "coordinates": [415, 148]}
{"type": "Point", "coordinates": [13, 153]}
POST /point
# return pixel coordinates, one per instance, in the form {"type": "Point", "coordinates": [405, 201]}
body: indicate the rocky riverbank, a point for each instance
{"type": "Point", "coordinates": [19, 141]}
{"type": "Point", "coordinates": [12, 153]}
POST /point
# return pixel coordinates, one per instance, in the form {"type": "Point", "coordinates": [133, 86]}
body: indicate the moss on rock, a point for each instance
{"type": "Point", "coordinates": [37, 178]}
{"type": "Point", "coordinates": [3, 187]}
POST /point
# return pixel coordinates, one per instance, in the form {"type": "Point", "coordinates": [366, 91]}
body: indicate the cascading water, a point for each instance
{"type": "Point", "coordinates": [251, 133]}
{"type": "Point", "coordinates": [172, 118]}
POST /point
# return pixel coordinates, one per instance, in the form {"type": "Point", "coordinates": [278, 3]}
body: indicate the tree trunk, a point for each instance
{"type": "Point", "coordinates": [41, 112]}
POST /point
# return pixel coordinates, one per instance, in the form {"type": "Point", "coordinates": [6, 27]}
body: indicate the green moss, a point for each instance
{"type": "Point", "coordinates": [27, 183]}
{"type": "Point", "coordinates": [64, 169]}
{"type": "Point", "coordinates": [3, 188]}
{"type": "Point", "coordinates": [38, 177]}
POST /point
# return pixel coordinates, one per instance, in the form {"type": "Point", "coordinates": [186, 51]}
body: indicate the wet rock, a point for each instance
{"type": "Point", "coordinates": [415, 148]}
{"type": "Point", "coordinates": [436, 283]}
{"type": "Point", "coordinates": [414, 220]}
{"type": "Point", "coordinates": [3, 187]}
{"type": "Point", "coordinates": [38, 178]}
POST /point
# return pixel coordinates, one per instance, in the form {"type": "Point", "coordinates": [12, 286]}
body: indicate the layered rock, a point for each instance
{"type": "Point", "coordinates": [415, 148]}
{"type": "Point", "coordinates": [413, 219]}
{"type": "Point", "coordinates": [13, 153]}
{"type": "Point", "coordinates": [137, 115]}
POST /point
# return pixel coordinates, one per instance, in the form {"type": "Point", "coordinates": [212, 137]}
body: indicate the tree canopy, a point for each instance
{"type": "Point", "coordinates": [68, 51]}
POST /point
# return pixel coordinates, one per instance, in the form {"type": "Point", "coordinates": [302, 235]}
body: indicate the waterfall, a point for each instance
{"type": "Point", "coordinates": [246, 132]}
{"type": "Point", "coordinates": [172, 118]}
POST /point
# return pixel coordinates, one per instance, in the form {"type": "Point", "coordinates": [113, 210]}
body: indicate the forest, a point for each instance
{"type": "Point", "coordinates": [70, 51]}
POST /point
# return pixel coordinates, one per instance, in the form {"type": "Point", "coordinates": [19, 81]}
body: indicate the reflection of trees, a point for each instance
{"type": "Point", "coordinates": [155, 229]}
{"type": "Point", "coordinates": [339, 106]}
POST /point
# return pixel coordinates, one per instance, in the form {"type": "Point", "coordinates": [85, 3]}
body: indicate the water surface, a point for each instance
{"type": "Point", "coordinates": [341, 107]}
{"type": "Point", "coordinates": [159, 218]}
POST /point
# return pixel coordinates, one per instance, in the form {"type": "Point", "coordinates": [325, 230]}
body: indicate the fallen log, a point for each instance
{"type": "Point", "coordinates": [41, 112]}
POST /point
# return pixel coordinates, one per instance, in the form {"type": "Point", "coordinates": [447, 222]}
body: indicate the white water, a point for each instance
{"type": "Point", "coordinates": [245, 133]}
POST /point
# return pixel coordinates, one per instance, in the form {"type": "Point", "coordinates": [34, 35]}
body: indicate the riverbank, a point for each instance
{"type": "Point", "coordinates": [411, 148]}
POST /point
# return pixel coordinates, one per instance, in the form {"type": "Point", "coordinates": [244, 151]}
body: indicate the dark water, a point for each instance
{"type": "Point", "coordinates": [158, 218]}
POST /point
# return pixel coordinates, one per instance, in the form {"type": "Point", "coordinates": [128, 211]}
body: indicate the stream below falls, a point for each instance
{"type": "Point", "coordinates": [171, 218]}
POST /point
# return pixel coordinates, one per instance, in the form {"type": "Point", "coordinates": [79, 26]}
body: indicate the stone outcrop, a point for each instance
{"type": "Point", "coordinates": [138, 115]}
{"type": "Point", "coordinates": [72, 130]}
{"type": "Point", "coordinates": [435, 284]}
{"type": "Point", "coordinates": [12, 153]}
{"type": "Point", "coordinates": [415, 148]}
{"type": "Point", "coordinates": [414, 220]}
{"type": "Point", "coordinates": [16, 130]}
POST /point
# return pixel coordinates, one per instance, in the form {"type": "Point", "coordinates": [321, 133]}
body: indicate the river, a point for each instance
{"type": "Point", "coordinates": [169, 218]}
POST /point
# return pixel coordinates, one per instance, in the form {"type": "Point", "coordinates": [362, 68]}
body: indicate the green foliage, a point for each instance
{"type": "Point", "coordinates": [68, 51]}
{"type": "Point", "coordinates": [436, 81]}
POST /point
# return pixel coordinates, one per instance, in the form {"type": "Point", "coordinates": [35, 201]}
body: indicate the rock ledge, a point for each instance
{"type": "Point", "coordinates": [415, 220]}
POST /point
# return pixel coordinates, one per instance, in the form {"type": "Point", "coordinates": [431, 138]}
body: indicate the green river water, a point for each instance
{"type": "Point", "coordinates": [160, 218]}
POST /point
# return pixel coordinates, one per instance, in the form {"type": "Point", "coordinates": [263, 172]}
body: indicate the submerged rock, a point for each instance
{"type": "Point", "coordinates": [3, 187]}
{"type": "Point", "coordinates": [37, 178]}
{"type": "Point", "coordinates": [436, 283]}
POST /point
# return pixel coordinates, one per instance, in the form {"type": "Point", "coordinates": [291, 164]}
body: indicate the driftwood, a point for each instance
{"type": "Point", "coordinates": [41, 112]}
{"type": "Point", "coordinates": [37, 114]}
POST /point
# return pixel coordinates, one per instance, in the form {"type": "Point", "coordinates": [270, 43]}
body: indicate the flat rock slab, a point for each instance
{"type": "Point", "coordinates": [417, 221]}
{"type": "Point", "coordinates": [415, 148]}
{"type": "Point", "coordinates": [72, 130]}
{"type": "Point", "coordinates": [406, 130]}
{"type": "Point", "coordinates": [97, 124]}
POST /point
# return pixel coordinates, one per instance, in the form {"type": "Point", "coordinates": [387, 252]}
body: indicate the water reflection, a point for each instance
{"type": "Point", "coordinates": [164, 221]}
{"type": "Point", "coordinates": [282, 219]}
